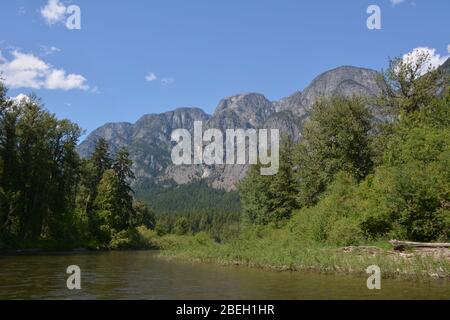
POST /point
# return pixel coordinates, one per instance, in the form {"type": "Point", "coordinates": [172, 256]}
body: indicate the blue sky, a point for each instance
{"type": "Point", "coordinates": [197, 52]}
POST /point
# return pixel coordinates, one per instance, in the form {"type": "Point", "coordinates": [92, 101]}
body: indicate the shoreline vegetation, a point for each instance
{"type": "Point", "coordinates": [274, 250]}
{"type": "Point", "coordinates": [349, 186]}
{"type": "Point", "coordinates": [277, 250]}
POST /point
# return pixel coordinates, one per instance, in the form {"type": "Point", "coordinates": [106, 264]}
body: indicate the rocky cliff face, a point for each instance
{"type": "Point", "coordinates": [243, 111]}
{"type": "Point", "coordinates": [345, 81]}
{"type": "Point", "coordinates": [148, 140]}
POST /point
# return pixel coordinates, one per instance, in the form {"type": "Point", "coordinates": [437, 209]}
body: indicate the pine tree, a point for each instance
{"type": "Point", "coordinates": [97, 165]}
{"type": "Point", "coordinates": [106, 208]}
{"type": "Point", "coordinates": [282, 187]}
{"type": "Point", "coordinates": [270, 199]}
{"type": "Point", "coordinates": [124, 174]}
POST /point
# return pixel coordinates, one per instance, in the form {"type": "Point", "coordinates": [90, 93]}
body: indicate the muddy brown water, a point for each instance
{"type": "Point", "coordinates": [143, 275]}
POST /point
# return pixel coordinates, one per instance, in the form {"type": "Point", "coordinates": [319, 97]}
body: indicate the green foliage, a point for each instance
{"type": "Point", "coordinates": [336, 138]}
{"type": "Point", "coordinates": [270, 199]}
{"type": "Point", "coordinates": [113, 211]}
{"type": "Point", "coordinates": [49, 195]}
{"type": "Point", "coordinates": [279, 249]}
{"type": "Point", "coordinates": [409, 84]}
{"type": "Point", "coordinates": [124, 197]}
{"type": "Point", "coordinates": [335, 219]}
{"type": "Point", "coordinates": [143, 216]}
{"type": "Point", "coordinates": [39, 172]}
{"type": "Point", "coordinates": [221, 226]}
{"type": "Point", "coordinates": [255, 197]}
{"type": "Point", "coordinates": [350, 194]}
{"type": "Point", "coordinates": [181, 226]}
{"type": "Point", "coordinates": [197, 197]}
{"type": "Point", "coordinates": [416, 197]}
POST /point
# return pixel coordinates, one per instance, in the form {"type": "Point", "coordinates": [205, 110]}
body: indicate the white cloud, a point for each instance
{"type": "Point", "coordinates": [54, 12]}
{"type": "Point", "coordinates": [448, 48]}
{"type": "Point", "coordinates": [48, 50]}
{"type": "Point", "coordinates": [434, 59]}
{"type": "Point", "coordinates": [167, 81]}
{"type": "Point", "coordinates": [396, 2]}
{"type": "Point", "coordinates": [20, 98]}
{"type": "Point", "coordinates": [151, 77]}
{"type": "Point", "coordinates": [25, 70]}
{"type": "Point", "coordinates": [58, 79]}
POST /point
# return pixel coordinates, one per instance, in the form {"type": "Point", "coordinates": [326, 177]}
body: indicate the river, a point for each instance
{"type": "Point", "coordinates": [144, 275]}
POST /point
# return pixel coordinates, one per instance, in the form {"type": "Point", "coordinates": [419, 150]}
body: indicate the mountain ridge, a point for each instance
{"type": "Point", "coordinates": [148, 139]}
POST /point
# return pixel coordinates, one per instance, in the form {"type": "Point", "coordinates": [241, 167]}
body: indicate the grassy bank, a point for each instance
{"type": "Point", "coordinates": [276, 249]}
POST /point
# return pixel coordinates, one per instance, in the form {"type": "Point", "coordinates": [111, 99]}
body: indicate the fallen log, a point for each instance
{"type": "Point", "coordinates": [403, 244]}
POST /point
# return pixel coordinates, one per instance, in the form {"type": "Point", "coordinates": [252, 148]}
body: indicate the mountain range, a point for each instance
{"type": "Point", "coordinates": [149, 144]}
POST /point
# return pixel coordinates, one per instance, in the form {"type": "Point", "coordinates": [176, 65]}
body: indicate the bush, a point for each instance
{"type": "Point", "coordinates": [135, 238]}
{"type": "Point", "coordinates": [336, 219]}
{"type": "Point", "coordinates": [409, 196]}
{"type": "Point", "coordinates": [346, 232]}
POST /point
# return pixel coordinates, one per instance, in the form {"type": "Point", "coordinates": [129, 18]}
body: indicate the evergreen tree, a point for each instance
{"type": "Point", "coordinates": [181, 226]}
{"type": "Point", "coordinates": [39, 171]}
{"type": "Point", "coordinates": [106, 208]}
{"type": "Point", "coordinates": [97, 165]}
{"type": "Point", "coordinates": [282, 187]}
{"type": "Point", "coordinates": [270, 199]}
{"type": "Point", "coordinates": [143, 216]}
{"type": "Point", "coordinates": [124, 197]}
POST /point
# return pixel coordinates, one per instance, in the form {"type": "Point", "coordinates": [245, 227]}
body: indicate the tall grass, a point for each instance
{"type": "Point", "coordinates": [279, 250]}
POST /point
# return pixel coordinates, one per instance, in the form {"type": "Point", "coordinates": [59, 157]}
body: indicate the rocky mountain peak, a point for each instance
{"type": "Point", "coordinates": [241, 102]}
{"type": "Point", "coordinates": [345, 80]}
{"type": "Point", "coordinates": [242, 111]}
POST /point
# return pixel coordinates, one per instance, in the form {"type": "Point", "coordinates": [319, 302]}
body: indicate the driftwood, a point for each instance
{"type": "Point", "coordinates": [361, 249]}
{"type": "Point", "coordinates": [398, 245]}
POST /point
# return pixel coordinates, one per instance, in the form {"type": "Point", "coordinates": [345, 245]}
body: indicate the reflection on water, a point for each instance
{"type": "Point", "coordinates": [142, 275]}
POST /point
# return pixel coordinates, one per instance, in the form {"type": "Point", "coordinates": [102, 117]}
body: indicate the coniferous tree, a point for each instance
{"type": "Point", "coordinates": [270, 199]}
{"type": "Point", "coordinates": [124, 175]}
{"type": "Point", "coordinates": [39, 170]}
{"type": "Point", "coordinates": [282, 186]}
{"type": "Point", "coordinates": [97, 165]}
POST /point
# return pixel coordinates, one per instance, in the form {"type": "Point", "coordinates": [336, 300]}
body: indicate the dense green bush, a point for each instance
{"type": "Point", "coordinates": [336, 219]}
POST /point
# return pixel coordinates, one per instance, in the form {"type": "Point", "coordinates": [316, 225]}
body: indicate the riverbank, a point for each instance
{"type": "Point", "coordinates": [281, 254]}
{"type": "Point", "coordinates": [277, 250]}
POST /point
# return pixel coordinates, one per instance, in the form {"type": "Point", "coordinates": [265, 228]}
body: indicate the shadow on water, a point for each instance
{"type": "Point", "coordinates": [143, 275]}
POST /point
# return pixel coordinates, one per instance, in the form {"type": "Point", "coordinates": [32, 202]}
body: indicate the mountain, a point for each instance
{"type": "Point", "coordinates": [244, 111]}
{"type": "Point", "coordinates": [148, 140]}
{"type": "Point", "coordinates": [345, 81]}
{"type": "Point", "coordinates": [445, 70]}
{"type": "Point", "coordinates": [446, 66]}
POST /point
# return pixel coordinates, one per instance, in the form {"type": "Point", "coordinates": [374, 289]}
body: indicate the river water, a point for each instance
{"type": "Point", "coordinates": [144, 275]}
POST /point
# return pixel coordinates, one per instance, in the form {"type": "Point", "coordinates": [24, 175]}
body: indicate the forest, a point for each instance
{"type": "Point", "coordinates": [51, 198]}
